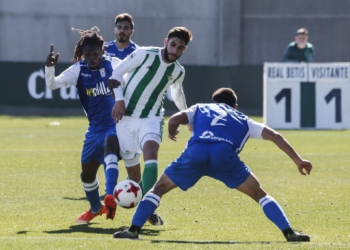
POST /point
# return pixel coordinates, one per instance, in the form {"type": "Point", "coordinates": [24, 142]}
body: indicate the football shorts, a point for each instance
{"type": "Point", "coordinates": [94, 143]}
{"type": "Point", "coordinates": [216, 160]}
{"type": "Point", "coordinates": [134, 132]}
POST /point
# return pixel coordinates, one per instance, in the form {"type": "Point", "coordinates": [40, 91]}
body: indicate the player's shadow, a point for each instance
{"type": "Point", "coordinates": [84, 228]}
{"type": "Point", "coordinates": [215, 242]}
{"type": "Point", "coordinates": [81, 198]}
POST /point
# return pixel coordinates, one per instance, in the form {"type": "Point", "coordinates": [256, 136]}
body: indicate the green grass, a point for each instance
{"type": "Point", "coordinates": [41, 194]}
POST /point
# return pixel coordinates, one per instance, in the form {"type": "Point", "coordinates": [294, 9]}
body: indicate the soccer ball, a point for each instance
{"type": "Point", "coordinates": [127, 194]}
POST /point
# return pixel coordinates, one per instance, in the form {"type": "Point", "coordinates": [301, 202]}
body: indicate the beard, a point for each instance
{"type": "Point", "coordinates": [123, 39]}
{"type": "Point", "coordinates": [166, 55]}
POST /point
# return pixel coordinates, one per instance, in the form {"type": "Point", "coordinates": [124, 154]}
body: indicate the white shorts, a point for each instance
{"type": "Point", "coordinates": [134, 132]}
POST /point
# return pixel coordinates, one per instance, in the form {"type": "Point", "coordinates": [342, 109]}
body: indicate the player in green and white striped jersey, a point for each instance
{"type": "Point", "coordinates": [145, 76]}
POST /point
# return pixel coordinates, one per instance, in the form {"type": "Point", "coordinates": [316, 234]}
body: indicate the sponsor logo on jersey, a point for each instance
{"type": "Point", "coordinates": [85, 75]}
{"type": "Point", "coordinates": [149, 67]}
{"type": "Point", "coordinates": [103, 72]}
{"type": "Point", "coordinates": [206, 135]}
{"type": "Point", "coordinates": [100, 89]}
{"type": "Point", "coordinates": [170, 77]}
{"type": "Point", "coordinates": [210, 135]}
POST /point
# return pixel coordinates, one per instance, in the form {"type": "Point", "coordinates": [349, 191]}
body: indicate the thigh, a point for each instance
{"type": "Point", "coordinates": [163, 185]}
{"type": "Point", "coordinates": [92, 148]}
{"type": "Point", "coordinates": [150, 129]}
{"type": "Point", "coordinates": [111, 142]}
{"type": "Point", "coordinates": [187, 169]}
{"type": "Point", "coordinates": [128, 137]}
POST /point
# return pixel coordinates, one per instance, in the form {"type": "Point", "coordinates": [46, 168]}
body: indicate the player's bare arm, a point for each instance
{"type": "Point", "coordinates": [283, 144]}
{"type": "Point", "coordinates": [52, 59]}
{"type": "Point", "coordinates": [174, 122]}
{"type": "Point", "coordinates": [112, 83]}
{"type": "Point", "coordinates": [118, 111]}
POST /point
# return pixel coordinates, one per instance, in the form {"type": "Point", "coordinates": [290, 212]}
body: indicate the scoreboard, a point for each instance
{"type": "Point", "coordinates": [307, 96]}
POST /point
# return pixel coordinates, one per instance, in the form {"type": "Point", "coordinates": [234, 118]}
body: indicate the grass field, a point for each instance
{"type": "Point", "coordinates": [41, 194]}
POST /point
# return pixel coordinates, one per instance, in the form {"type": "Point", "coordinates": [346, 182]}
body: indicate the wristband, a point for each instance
{"type": "Point", "coordinates": [118, 94]}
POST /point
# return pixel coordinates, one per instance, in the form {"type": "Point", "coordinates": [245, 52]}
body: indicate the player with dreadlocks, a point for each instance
{"type": "Point", "coordinates": [89, 74]}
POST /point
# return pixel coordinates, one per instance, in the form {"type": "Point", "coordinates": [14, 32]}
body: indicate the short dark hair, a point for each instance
{"type": "Point", "coordinates": [124, 17]}
{"type": "Point", "coordinates": [302, 31]}
{"type": "Point", "coordinates": [225, 95]}
{"type": "Point", "coordinates": [182, 33]}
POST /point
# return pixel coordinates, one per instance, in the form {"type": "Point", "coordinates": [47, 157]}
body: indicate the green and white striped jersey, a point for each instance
{"type": "Point", "coordinates": [146, 77]}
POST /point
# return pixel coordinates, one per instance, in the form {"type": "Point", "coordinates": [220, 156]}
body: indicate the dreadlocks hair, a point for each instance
{"type": "Point", "coordinates": [87, 37]}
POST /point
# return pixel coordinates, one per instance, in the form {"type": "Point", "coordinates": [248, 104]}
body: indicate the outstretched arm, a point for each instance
{"type": "Point", "coordinates": [65, 79]}
{"type": "Point", "coordinates": [283, 144]}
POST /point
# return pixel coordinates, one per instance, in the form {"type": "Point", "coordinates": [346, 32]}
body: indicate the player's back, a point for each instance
{"type": "Point", "coordinates": [217, 122]}
{"type": "Point", "coordinates": [94, 94]}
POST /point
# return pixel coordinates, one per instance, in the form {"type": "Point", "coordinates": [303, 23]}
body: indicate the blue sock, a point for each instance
{"type": "Point", "coordinates": [92, 195]}
{"type": "Point", "coordinates": [111, 172]}
{"type": "Point", "coordinates": [274, 212]}
{"type": "Point", "coordinates": [145, 209]}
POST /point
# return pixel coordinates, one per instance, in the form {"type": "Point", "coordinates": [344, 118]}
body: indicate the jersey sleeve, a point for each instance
{"type": "Point", "coordinates": [130, 63]}
{"type": "Point", "coordinates": [66, 79]}
{"type": "Point", "coordinates": [178, 82]}
{"type": "Point", "coordinates": [115, 62]}
{"type": "Point", "coordinates": [255, 128]}
{"type": "Point", "coordinates": [190, 113]}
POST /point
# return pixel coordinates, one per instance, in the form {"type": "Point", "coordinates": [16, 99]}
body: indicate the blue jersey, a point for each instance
{"type": "Point", "coordinates": [217, 122]}
{"type": "Point", "coordinates": [111, 49]}
{"type": "Point", "coordinates": [94, 94]}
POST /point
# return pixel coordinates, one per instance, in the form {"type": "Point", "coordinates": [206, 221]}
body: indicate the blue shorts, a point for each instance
{"type": "Point", "coordinates": [216, 160]}
{"type": "Point", "coordinates": [94, 144]}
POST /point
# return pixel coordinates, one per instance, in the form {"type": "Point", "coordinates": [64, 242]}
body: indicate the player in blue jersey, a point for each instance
{"type": "Point", "coordinates": [90, 75]}
{"type": "Point", "coordinates": [122, 46]}
{"type": "Point", "coordinates": [219, 134]}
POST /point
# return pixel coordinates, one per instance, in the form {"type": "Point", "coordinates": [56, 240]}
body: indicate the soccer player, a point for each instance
{"type": "Point", "coordinates": [219, 134]}
{"type": "Point", "coordinates": [148, 72]}
{"type": "Point", "coordinates": [122, 46]}
{"type": "Point", "coordinates": [90, 75]}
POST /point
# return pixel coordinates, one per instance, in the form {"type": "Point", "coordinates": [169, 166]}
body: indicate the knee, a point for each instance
{"type": "Point", "coordinates": [150, 149]}
{"type": "Point", "coordinates": [87, 177]}
{"type": "Point", "coordinates": [160, 188]}
{"type": "Point", "coordinates": [157, 190]}
{"type": "Point", "coordinates": [111, 145]}
{"type": "Point", "coordinates": [258, 194]}
{"type": "Point", "coordinates": [135, 176]}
